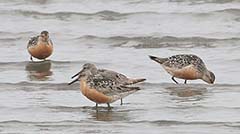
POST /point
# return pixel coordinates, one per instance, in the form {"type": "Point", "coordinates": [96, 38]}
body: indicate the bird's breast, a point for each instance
{"type": "Point", "coordinates": [93, 94]}
{"type": "Point", "coordinates": [41, 50]}
{"type": "Point", "coordinates": [188, 73]}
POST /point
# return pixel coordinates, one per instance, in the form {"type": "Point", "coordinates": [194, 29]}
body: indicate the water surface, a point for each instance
{"type": "Point", "coordinates": [119, 35]}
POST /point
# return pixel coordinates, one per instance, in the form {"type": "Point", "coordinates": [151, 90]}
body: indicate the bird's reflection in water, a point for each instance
{"type": "Point", "coordinates": [109, 115]}
{"type": "Point", "coordinates": [39, 70]}
{"type": "Point", "coordinates": [187, 92]}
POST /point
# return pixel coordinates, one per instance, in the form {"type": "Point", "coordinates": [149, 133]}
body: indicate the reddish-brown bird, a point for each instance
{"type": "Point", "coordinates": [104, 86]}
{"type": "Point", "coordinates": [41, 46]}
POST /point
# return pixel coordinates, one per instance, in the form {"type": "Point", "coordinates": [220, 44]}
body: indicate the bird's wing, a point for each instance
{"type": "Point", "coordinates": [51, 43]}
{"type": "Point", "coordinates": [118, 77]}
{"type": "Point", "coordinates": [32, 41]}
{"type": "Point", "coordinates": [115, 76]}
{"type": "Point", "coordinates": [108, 86]}
{"type": "Point", "coordinates": [183, 61]}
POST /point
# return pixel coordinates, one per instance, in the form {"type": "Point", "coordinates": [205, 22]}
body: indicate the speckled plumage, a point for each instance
{"type": "Point", "coordinates": [32, 41]}
{"type": "Point", "coordinates": [107, 86]}
{"type": "Point", "coordinates": [185, 66]}
{"type": "Point", "coordinates": [183, 60]}
{"type": "Point", "coordinates": [111, 84]}
{"type": "Point", "coordinates": [109, 74]}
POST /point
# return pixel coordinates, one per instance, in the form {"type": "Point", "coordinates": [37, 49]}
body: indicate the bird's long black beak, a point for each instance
{"type": "Point", "coordinates": [76, 79]}
{"type": "Point", "coordinates": [75, 75]}
{"type": "Point", "coordinates": [73, 81]}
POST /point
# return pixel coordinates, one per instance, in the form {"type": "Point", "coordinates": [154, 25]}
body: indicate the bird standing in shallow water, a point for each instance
{"type": "Point", "coordinates": [104, 86]}
{"type": "Point", "coordinates": [119, 78]}
{"type": "Point", "coordinates": [41, 46]}
{"type": "Point", "coordinates": [187, 67]}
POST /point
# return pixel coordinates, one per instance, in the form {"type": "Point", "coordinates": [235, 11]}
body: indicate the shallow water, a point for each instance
{"type": "Point", "coordinates": [119, 35]}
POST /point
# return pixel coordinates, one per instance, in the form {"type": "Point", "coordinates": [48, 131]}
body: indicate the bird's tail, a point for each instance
{"type": "Point", "coordinates": [157, 59]}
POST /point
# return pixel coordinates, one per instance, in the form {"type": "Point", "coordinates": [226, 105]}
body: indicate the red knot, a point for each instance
{"type": "Point", "coordinates": [104, 86]}
{"type": "Point", "coordinates": [187, 67]}
{"type": "Point", "coordinates": [40, 46]}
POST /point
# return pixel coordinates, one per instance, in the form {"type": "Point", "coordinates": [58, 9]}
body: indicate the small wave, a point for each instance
{"type": "Point", "coordinates": [23, 63]}
{"type": "Point", "coordinates": [12, 37]}
{"type": "Point", "coordinates": [147, 84]}
{"type": "Point", "coordinates": [104, 15]}
{"type": "Point", "coordinates": [69, 13]}
{"type": "Point", "coordinates": [31, 122]}
{"type": "Point", "coordinates": [233, 11]}
{"type": "Point", "coordinates": [158, 123]}
{"type": "Point", "coordinates": [162, 42]}
{"type": "Point", "coordinates": [172, 122]}
{"type": "Point", "coordinates": [191, 2]}
{"type": "Point", "coordinates": [67, 62]}
{"type": "Point", "coordinates": [64, 86]}
{"type": "Point", "coordinates": [28, 86]}
{"type": "Point", "coordinates": [111, 15]}
{"type": "Point", "coordinates": [13, 63]}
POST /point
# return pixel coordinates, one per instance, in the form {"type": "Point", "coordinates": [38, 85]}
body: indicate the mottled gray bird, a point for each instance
{"type": "Point", "coordinates": [104, 86]}
{"type": "Point", "coordinates": [187, 67]}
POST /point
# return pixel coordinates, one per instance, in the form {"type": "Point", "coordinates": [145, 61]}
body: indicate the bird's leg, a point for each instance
{"type": "Point", "coordinates": [121, 101]}
{"type": "Point", "coordinates": [96, 106]}
{"type": "Point", "coordinates": [174, 80]}
{"type": "Point", "coordinates": [109, 107]}
{"type": "Point", "coordinates": [185, 82]}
